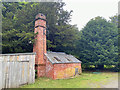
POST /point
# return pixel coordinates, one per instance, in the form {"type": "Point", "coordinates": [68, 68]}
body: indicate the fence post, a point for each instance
{"type": "Point", "coordinates": [1, 72]}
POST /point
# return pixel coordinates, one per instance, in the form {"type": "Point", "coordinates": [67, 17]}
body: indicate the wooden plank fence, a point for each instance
{"type": "Point", "coordinates": [16, 69]}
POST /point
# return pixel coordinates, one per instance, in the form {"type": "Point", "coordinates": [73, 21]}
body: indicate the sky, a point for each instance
{"type": "Point", "coordinates": [84, 10]}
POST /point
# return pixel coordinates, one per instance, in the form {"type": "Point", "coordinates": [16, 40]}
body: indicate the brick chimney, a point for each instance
{"type": "Point", "coordinates": [40, 44]}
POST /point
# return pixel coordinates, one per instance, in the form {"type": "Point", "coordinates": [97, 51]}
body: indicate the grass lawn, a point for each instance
{"type": "Point", "coordinates": [86, 80]}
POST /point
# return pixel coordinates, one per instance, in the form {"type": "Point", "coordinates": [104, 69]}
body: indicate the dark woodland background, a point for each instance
{"type": "Point", "coordinates": [96, 45]}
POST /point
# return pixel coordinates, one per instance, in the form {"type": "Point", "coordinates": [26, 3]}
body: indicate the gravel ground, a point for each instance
{"type": "Point", "coordinates": [112, 83]}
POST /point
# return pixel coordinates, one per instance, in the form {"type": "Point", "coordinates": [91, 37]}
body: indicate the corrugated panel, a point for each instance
{"type": "Point", "coordinates": [58, 57]}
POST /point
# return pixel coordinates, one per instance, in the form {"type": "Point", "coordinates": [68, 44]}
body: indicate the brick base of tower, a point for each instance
{"type": "Point", "coordinates": [41, 70]}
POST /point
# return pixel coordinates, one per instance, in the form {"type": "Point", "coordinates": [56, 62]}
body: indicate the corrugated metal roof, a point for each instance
{"type": "Point", "coordinates": [60, 57]}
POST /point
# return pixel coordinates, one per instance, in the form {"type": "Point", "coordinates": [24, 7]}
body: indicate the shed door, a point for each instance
{"type": "Point", "coordinates": [76, 71]}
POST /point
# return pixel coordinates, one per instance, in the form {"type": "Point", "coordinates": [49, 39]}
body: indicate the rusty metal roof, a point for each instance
{"type": "Point", "coordinates": [60, 57]}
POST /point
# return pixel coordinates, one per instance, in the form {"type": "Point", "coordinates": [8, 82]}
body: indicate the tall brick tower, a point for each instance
{"type": "Point", "coordinates": [40, 44]}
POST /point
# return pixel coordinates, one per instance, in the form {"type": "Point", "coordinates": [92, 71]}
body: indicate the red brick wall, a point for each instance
{"type": "Point", "coordinates": [49, 69]}
{"type": "Point", "coordinates": [62, 71]}
{"type": "Point", "coordinates": [41, 70]}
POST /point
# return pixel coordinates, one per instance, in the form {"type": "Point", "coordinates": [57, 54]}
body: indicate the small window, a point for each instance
{"type": "Point", "coordinates": [54, 59]}
{"type": "Point", "coordinates": [68, 59]}
{"type": "Point", "coordinates": [57, 58]}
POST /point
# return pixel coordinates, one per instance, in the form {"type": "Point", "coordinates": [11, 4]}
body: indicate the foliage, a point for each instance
{"type": "Point", "coordinates": [114, 20]}
{"type": "Point", "coordinates": [98, 43]}
{"type": "Point", "coordinates": [18, 26]}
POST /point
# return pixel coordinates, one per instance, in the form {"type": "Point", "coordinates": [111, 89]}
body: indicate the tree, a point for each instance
{"type": "Point", "coordinates": [114, 20]}
{"type": "Point", "coordinates": [18, 26]}
{"type": "Point", "coordinates": [98, 43]}
{"type": "Point", "coordinates": [65, 38]}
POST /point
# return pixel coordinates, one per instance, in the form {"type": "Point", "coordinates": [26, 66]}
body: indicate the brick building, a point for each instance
{"type": "Point", "coordinates": [55, 65]}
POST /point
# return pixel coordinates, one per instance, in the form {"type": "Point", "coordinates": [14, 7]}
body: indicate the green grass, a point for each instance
{"type": "Point", "coordinates": [86, 80]}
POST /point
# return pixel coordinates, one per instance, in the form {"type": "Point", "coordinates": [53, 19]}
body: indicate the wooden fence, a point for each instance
{"type": "Point", "coordinates": [16, 69]}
